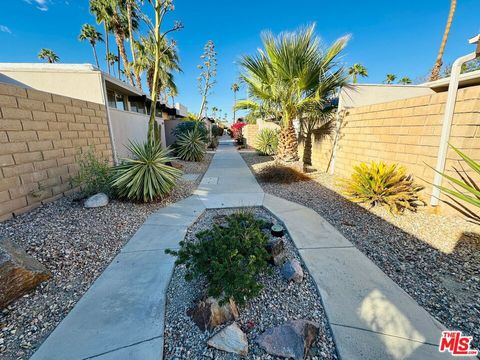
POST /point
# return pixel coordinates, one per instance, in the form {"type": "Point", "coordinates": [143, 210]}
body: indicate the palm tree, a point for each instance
{"type": "Point", "coordinates": [285, 80]}
{"type": "Point", "coordinates": [439, 61]}
{"type": "Point", "coordinates": [357, 70]}
{"type": "Point", "coordinates": [49, 55]}
{"type": "Point", "coordinates": [92, 35]}
{"type": "Point", "coordinates": [405, 80]}
{"type": "Point", "coordinates": [235, 88]}
{"type": "Point", "coordinates": [102, 9]}
{"type": "Point", "coordinates": [111, 60]}
{"type": "Point", "coordinates": [390, 78]}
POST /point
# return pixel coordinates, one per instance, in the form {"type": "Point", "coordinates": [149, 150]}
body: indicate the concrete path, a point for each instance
{"type": "Point", "coordinates": [122, 314]}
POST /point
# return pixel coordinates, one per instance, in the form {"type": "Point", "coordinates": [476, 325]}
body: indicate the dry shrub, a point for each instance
{"type": "Point", "coordinates": [281, 174]}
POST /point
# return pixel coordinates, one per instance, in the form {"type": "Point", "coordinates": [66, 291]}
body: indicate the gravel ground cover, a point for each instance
{"type": "Point", "coordinates": [76, 245]}
{"type": "Point", "coordinates": [278, 302]}
{"type": "Point", "coordinates": [436, 259]}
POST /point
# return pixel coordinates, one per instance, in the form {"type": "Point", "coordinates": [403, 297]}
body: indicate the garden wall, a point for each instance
{"type": "Point", "coordinates": [41, 137]}
{"type": "Point", "coordinates": [406, 132]}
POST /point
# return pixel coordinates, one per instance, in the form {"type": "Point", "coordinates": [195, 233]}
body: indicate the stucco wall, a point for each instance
{"type": "Point", "coordinates": [169, 126]}
{"type": "Point", "coordinates": [42, 135]}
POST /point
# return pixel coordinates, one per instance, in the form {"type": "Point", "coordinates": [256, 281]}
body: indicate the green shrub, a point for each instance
{"type": "Point", "coordinates": [186, 126]}
{"type": "Point", "coordinates": [191, 146]}
{"type": "Point", "coordinates": [471, 189]}
{"type": "Point", "coordinates": [217, 130]}
{"type": "Point", "coordinates": [146, 176]}
{"type": "Point", "coordinates": [229, 257]}
{"type": "Point", "coordinates": [94, 175]}
{"type": "Point", "coordinates": [386, 185]}
{"type": "Point", "coordinates": [267, 142]}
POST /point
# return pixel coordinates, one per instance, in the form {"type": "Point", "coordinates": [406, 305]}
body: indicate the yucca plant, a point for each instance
{"type": "Point", "coordinates": [191, 146]}
{"type": "Point", "coordinates": [467, 183]}
{"type": "Point", "coordinates": [267, 142]}
{"type": "Point", "coordinates": [146, 176]}
{"type": "Point", "coordinates": [385, 185]}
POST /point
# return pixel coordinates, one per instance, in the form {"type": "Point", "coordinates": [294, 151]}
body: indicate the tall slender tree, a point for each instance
{"type": "Point", "coordinates": [235, 88]}
{"type": "Point", "coordinates": [405, 80]}
{"type": "Point", "coordinates": [111, 60]}
{"type": "Point", "coordinates": [206, 80]}
{"type": "Point", "coordinates": [89, 33]}
{"type": "Point", "coordinates": [439, 62]}
{"type": "Point", "coordinates": [49, 55]}
{"type": "Point", "coordinates": [390, 78]}
{"type": "Point", "coordinates": [102, 9]}
{"type": "Point", "coordinates": [357, 70]}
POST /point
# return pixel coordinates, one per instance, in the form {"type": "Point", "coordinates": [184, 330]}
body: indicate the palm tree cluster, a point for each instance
{"type": "Point", "coordinates": [293, 78]}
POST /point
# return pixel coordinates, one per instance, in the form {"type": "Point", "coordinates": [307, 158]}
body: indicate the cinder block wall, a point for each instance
{"type": "Point", "coordinates": [42, 135]}
{"type": "Point", "coordinates": [250, 132]}
{"type": "Point", "coordinates": [405, 132]}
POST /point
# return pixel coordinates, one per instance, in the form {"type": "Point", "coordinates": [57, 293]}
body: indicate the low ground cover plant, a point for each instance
{"type": "Point", "coordinates": [281, 174]}
{"type": "Point", "coordinates": [147, 175]}
{"type": "Point", "coordinates": [94, 175]}
{"type": "Point", "coordinates": [267, 142]}
{"type": "Point", "coordinates": [385, 185]}
{"type": "Point", "coordinates": [230, 257]}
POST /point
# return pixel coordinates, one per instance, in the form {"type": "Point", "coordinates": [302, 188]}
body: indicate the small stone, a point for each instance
{"type": "Point", "coordinates": [276, 248]}
{"type": "Point", "coordinates": [208, 314]}
{"type": "Point", "coordinates": [97, 200]}
{"type": "Point", "coordinates": [292, 271]}
{"type": "Point", "coordinates": [230, 339]}
{"type": "Point", "coordinates": [293, 339]}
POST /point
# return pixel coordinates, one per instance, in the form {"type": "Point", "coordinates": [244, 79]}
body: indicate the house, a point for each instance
{"type": "Point", "coordinates": [128, 108]}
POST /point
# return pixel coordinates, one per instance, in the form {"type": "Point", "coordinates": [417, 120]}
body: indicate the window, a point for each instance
{"type": "Point", "coordinates": [137, 106]}
{"type": "Point", "coordinates": [111, 99]}
{"type": "Point", "coordinates": [120, 102]}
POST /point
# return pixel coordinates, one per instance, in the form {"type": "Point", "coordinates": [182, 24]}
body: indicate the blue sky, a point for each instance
{"type": "Point", "coordinates": [400, 37]}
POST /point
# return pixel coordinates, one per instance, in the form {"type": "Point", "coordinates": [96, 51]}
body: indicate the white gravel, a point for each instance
{"type": "Point", "coordinates": [436, 259]}
{"type": "Point", "coordinates": [278, 302]}
{"type": "Point", "coordinates": [76, 245]}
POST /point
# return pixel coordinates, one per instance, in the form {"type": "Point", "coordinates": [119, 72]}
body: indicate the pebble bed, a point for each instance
{"type": "Point", "coordinates": [278, 302]}
{"type": "Point", "coordinates": [76, 245]}
{"type": "Point", "coordinates": [435, 259]}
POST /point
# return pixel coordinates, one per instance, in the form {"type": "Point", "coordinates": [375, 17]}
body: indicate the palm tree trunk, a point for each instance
{"type": "Point", "coordinates": [119, 65]}
{"type": "Point", "coordinates": [107, 46]}
{"type": "Point", "coordinates": [155, 85]}
{"type": "Point", "coordinates": [288, 145]}
{"type": "Point", "coordinates": [95, 55]}
{"type": "Point", "coordinates": [439, 62]}
{"type": "Point", "coordinates": [234, 103]}
{"type": "Point", "coordinates": [354, 78]}
{"type": "Point", "coordinates": [307, 148]}
{"type": "Point", "coordinates": [121, 47]}
{"type": "Point", "coordinates": [138, 80]}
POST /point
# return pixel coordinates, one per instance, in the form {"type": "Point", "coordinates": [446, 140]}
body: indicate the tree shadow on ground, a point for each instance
{"type": "Point", "coordinates": [446, 284]}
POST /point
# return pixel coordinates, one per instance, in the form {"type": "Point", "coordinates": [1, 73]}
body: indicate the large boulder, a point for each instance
{"type": "Point", "coordinates": [276, 249]}
{"type": "Point", "coordinates": [293, 339]}
{"type": "Point", "coordinates": [292, 271]}
{"type": "Point", "coordinates": [230, 339]}
{"type": "Point", "coordinates": [208, 313]}
{"type": "Point", "coordinates": [19, 272]}
{"type": "Point", "coordinates": [97, 200]}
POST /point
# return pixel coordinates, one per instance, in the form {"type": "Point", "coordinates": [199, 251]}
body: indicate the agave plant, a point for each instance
{"type": "Point", "coordinates": [385, 185]}
{"type": "Point", "coordinates": [467, 183]}
{"type": "Point", "coordinates": [191, 145]}
{"type": "Point", "coordinates": [267, 142]}
{"type": "Point", "coordinates": [146, 176]}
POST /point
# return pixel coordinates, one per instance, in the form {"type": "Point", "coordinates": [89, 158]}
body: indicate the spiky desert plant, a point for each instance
{"type": "Point", "coordinates": [384, 185]}
{"type": "Point", "coordinates": [471, 189]}
{"type": "Point", "coordinates": [267, 142]}
{"type": "Point", "coordinates": [191, 146]}
{"type": "Point", "coordinates": [146, 176]}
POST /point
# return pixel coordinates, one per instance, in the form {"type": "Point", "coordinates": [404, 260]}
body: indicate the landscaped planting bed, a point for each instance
{"type": "Point", "coordinates": [278, 302]}
{"type": "Point", "coordinates": [76, 245]}
{"type": "Point", "coordinates": [435, 259]}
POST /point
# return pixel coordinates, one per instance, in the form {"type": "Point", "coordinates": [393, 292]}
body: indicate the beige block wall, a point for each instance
{"type": "Point", "coordinates": [42, 135]}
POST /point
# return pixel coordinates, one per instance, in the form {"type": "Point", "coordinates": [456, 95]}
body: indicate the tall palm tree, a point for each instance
{"type": "Point", "coordinates": [111, 60]}
{"type": "Point", "coordinates": [92, 35]}
{"type": "Point", "coordinates": [49, 55]}
{"type": "Point", "coordinates": [235, 88]}
{"type": "Point", "coordinates": [102, 9]}
{"type": "Point", "coordinates": [284, 80]}
{"type": "Point", "coordinates": [390, 78]}
{"type": "Point", "coordinates": [405, 80]}
{"type": "Point", "coordinates": [357, 70]}
{"type": "Point", "coordinates": [439, 61]}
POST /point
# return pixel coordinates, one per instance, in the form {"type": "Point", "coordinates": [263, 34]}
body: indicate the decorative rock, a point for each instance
{"type": "Point", "coordinates": [292, 271]}
{"type": "Point", "coordinates": [230, 339]}
{"type": "Point", "coordinates": [291, 340]}
{"type": "Point", "coordinates": [19, 272]}
{"type": "Point", "coordinates": [97, 200]}
{"type": "Point", "coordinates": [276, 248]}
{"type": "Point", "coordinates": [208, 314]}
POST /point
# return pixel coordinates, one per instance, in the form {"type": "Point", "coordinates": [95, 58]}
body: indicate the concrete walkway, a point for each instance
{"type": "Point", "coordinates": [121, 316]}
